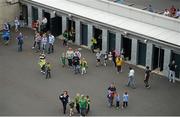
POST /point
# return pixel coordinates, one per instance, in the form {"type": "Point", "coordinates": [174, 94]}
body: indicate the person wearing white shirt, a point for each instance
{"type": "Point", "coordinates": [51, 43]}
{"type": "Point", "coordinates": [166, 12]}
{"type": "Point", "coordinates": [131, 79]}
{"type": "Point", "coordinates": [177, 13]}
{"type": "Point", "coordinates": [44, 42]}
{"type": "Point", "coordinates": [17, 24]}
{"type": "Point", "coordinates": [44, 24]}
{"type": "Point", "coordinates": [69, 55]}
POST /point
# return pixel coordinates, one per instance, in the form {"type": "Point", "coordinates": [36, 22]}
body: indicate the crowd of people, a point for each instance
{"type": "Point", "coordinates": [44, 43]}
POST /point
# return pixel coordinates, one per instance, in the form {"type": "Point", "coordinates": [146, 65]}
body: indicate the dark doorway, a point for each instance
{"type": "Point", "coordinates": [141, 53]}
{"type": "Point", "coordinates": [158, 58]}
{"type": "Point", "coordinates": [84, 34]}
{"type": "Point", "coordinates": [111, 41]}
{"type": "Point", "coordinates": [71, 29]}
{"type": "Point", "coordinates": [34, 13]}
{"type": "Point", "coordinates": [48, 16]}
{"type": "Point", "coordinates": [25, 14]}
{"type": "Point", "coordinates": [97, 34]}
{"type": "Point", "coordinates": [70, 24]}
{"type": "Point", "coordinates": [176, 57]}
{"type": "Point", "coordinates": [126, 46]}
{"type": "Point", "coordinates": [56, 25]}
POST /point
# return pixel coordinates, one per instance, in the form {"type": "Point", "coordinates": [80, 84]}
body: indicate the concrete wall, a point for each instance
{"type": "Point", "coordinates": [8, 12]}
{"type": "Point", "coordinates": [133, 13]}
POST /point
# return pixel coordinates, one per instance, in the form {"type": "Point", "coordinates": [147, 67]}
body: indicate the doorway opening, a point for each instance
{"type": "Point", "coordinates": [158, 58]}
{"type": "Point", "coordinates": [97, 34]}
{"type": "Point", "coordinates": [84, 34]}
{"type": "Point", "coordinates": [126, 47]}
{"type": "Point", "coordinates": [141, 53]}
{"type": "Point", "coordinates": [56, 25]}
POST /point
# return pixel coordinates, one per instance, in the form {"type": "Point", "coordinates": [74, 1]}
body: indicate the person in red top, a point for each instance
{"type": "Point", "coordinates": [172, 11]}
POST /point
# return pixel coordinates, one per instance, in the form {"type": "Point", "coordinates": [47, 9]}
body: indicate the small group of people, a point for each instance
{"type": "Point", "coordinates": [44, 42]}
{"type": "Point", "coordinates": [45, 66]}
{"type": "Point", "coordinates": [103, 58]}
{"type": "Point", "coordinates": [113, 96]}
{"type": "Point", "coordinates": [75, 61]}
{"type": "Point", "coordinates": [172, 12]}
{"type": "Point", "coordinates": [113, 57]}
{"type": "Point", "coordinates": [68, 35]}
{"type": "Point", "coordinates": [80, 102]}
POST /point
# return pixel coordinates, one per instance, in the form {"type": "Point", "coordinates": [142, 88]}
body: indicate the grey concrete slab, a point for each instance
{"type": "Point", "coordinates": [25, 91]}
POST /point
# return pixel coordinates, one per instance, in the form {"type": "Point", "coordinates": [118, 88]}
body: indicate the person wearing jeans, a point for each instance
{"type": "Point", "coordinates": [172, 68]}
{"type": "Point", "coordinates": [131, 79]}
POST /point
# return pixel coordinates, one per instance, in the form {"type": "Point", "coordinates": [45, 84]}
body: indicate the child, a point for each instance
{"type": "Point", "coordinates": [48, 70]}
{"type": "Point", "coordinates": [42, 62]}
{"type": "Point", "coordinates": [117, 99]}
{"type": "Point", "coordinates": [71, 105]}
{"type": "Point", "coordinates": [63, 59]}
{"type": "Point", "coordinates": [83, 64]}
{"type": "Point", "coordinates": [125, 99]}
{"type": "Point", "coordinates": [98, 58]}
{"type": "Point", "coordinates": [110, 56]}
{"type": "Point", "coordinates": [105, 58]}
{"type": "Point", "coordinates": [88, 104]}
{"type": "Point", "coordinates": [110, 98]}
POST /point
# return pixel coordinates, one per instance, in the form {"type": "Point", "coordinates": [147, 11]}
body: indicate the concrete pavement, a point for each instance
{"type": "Point", "coordinates": [25, 91]}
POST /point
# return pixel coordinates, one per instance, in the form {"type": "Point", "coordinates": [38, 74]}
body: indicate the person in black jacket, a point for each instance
{"type": "Point", "coordinates": [64, 99]}
{"type": "Point", "coordinates": [76, 64]}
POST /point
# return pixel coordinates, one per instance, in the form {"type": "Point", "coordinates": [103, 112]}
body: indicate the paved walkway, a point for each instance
{"type": "Point", "coordinates": [24, 91]}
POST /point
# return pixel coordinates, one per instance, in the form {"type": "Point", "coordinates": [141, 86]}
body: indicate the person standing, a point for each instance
{"type": "Point", "coordinates": [111, 92]}
{"type": "Point", "coordinates": [110, 98]}
{"type": "Point", "coordinates": [17, 24]}
{"type": "Point", "coordinates": [125, 99]}
{"type": "Point", "coordinates": [44, 42]}
{"type": "Point", "coordinates": [105, 58]}
{"type": "Point", "coordinates": [65, 40]}
{"type": "Point", "coordinates": [69, 55]}
{"type": "Point", "coordinates": [63, 59]}
{"type": "Point", "coordinates": [48, 70]}
{"type": "Point", "coordinates": [76, 63]}
{"type": "Point", "coordinates": [114, 57]}
{"type": "Point", "coordinates": [172, 69]}
{"type": "Point", "coordinates": [44, 24]}
{"type": "Point", "coordinates": [131, 79]}
{"type": "Point", "coordinates": [38, 39]}
{"type": "Point", "coordinates": [117, 99]}
{"type": "Point", "coordinates": [119, 62]}
{"type": "Point", "coordinates": [84, 65]}
{"type": "Point", "coordinates": [93, 44]}
{"type": "Point", "coordinates": [20, 39]}
{"type": "Point", "coordinates": [71, 110]}
{"type": "Point", "coordinates": [64, 99]}
{"type": "Point", "coordinates": [98, 58]}
{"type": "Point", "coordinates": [51, 43]}
{"type": "Point", "coordinates": [83, 105]}
{"type": "Point", "coordinates": [77, 98]}
{"type": "Point", "coordinates": [88, 104]}
{"type": "Point", "coordinates": [42, 63]}
{"type": "Point", "coordinates": [147, 76]}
